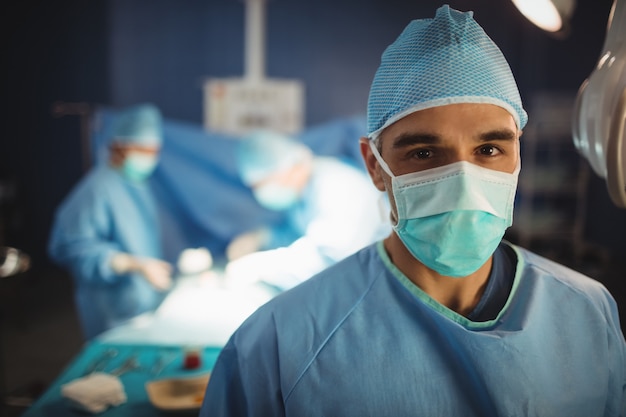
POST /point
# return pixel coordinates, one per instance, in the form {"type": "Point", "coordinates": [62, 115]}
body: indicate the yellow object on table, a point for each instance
{"type": "Point", "coordinates": [178, 394]}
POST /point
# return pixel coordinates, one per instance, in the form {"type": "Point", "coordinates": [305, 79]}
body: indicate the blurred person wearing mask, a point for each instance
{"type": "Point", "coordinates": [106, 231]}
{"type": "Point", "coordinates": [331, 211]}
{"type": "Point", "coordinates": [443, 317]}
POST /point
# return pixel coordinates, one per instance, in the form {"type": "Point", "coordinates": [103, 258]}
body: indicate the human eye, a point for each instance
{"type": "Point", "coordinates": [489, 150]}
{"type": "Point", "coordinates": [421, 153]}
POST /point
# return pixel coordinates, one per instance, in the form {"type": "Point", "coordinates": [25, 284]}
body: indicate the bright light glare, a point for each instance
{"type": "Point", "coordinates": [542, 13]}
{"type": "Point", "coordinates": [194, 261]}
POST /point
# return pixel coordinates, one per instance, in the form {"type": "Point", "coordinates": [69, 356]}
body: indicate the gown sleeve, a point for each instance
{"type": "Point", "coordinates": [80, 236]}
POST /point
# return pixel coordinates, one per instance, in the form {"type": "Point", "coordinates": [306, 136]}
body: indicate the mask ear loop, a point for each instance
{"type": "Point", "coordinates": [384, 206]}
{"type": "Point", "coordinates": [380, 160]}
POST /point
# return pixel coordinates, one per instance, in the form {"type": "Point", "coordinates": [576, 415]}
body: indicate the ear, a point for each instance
{"type": "Point", "coordinates": [371, 163]}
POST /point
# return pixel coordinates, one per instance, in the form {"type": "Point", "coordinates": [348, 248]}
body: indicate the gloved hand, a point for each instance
{"type": "Point", "coordinates": [280, 268]}
{"type": "Point", "coordinates": [157, 272]}
{"type": "Point", "coordinates": [246, 243]}
{"type": "Point", "coordinates": [250, 269]}
{"type": "Point", "coordinates": [194, 261]}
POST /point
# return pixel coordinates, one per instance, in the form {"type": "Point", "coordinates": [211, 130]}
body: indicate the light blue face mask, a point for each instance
{"type": "Point", "coordinates": [137, 167]}
{"type": "Point", "coordinates": [452, 218]}
{"type": "Point", "coordinates": [275, 196]}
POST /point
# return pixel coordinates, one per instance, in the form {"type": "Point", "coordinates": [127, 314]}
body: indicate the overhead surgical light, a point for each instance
{"type": "Point", "coordinates": [254, 101]}
{"type": "Point", "coordinates": [599, 120]}
{"type": "Point", "coordinates": [550, 15]}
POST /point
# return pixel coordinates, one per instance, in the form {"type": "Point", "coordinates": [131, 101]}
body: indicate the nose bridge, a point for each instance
{"type": "Point", "coordinates": [464, 189]}
{"type": "Point", "coordinates": [457, 156]}
{"type": "Point", "coordinates": [454, 141]}
{"type": "Point", "coordinates": [471, 191]}
{"type": "Point", "coordinates": [457, 152]}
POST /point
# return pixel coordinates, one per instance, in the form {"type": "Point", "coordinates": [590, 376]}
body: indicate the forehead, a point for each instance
{"type": "Point", "coordinates": [464, 119]}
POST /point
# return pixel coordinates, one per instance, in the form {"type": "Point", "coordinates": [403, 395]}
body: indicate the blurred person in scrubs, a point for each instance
{"type": "Point", "coordinates": [331, 211]}
{"type": "Point", "coordinates": [106, 231]}
{"type": "Point", "coordinates": [443, 317]}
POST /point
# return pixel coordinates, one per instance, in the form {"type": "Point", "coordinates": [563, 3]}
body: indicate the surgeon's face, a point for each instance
{"type": "Point", "coordinates": [135, 162]}
{"type": "Point", "coordinates": [118, 152]}
{"type": "Point", "coordinates": [483, 134]}
{"type": "Point", "coordinates": [281, 190]}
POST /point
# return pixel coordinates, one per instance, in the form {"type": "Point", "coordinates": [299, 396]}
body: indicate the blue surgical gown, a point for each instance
{"type": "Point", "coordinates": [103, 215]}
{"type": "Point", "coordinates": [339, 212]}
{"type": "Point", "coordinates": [359, 339]}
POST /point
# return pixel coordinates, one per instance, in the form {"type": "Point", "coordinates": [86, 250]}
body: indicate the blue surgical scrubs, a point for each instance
{"type": "Point", "coordinates": [103, 215]}
{"type": "Point", "coordinates": [360, 339]}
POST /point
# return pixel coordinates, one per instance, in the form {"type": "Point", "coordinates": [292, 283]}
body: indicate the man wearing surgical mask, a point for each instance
{"type": "Point", "coordinates": [443, 317]}
{"type": "Point", "coordinates": [106, 232]}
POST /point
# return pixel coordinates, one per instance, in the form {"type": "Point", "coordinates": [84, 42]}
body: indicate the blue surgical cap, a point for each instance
{"type": "Point", "coordinates": [140, 125]}
{"type": "Point", "coordinates": [440, 61]}
{"type": "Point", "coordinates": [263, 153]}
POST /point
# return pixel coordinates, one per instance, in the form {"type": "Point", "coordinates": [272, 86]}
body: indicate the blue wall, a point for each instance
{"type": "Point", "coordinates": [162, 51]}
{"type": "Point", "coordinates": [121, 52]}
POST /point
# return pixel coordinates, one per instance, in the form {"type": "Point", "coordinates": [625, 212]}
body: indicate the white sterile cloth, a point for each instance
{"type": "Point", "coordinates": [95, 392]}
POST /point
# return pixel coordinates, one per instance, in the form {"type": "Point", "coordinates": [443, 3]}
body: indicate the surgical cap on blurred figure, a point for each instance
{"type": "Point", "coordinates": [449, 59]}
{"type": "Point", "coordinates": [263, 153]}
{"type": "Point", "coordinates": [139, 125]}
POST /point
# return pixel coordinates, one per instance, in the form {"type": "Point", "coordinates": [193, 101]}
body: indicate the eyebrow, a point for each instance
{"type": "Point", "coordinates": [411, 139]}
{"type": "Point", "coordinates": [498, 134]}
